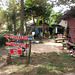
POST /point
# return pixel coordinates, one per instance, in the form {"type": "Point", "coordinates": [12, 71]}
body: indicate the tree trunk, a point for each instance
{"type": "Point", "coordinates": [43, 27]}
{"type": "Point", "coordinates": [15, 28]}
{"type": "Point", "coordinates": [25, 25]}
{"type": "Point", "coordinates": [14, 20]}
{"type": "Point", "coordinates": [22, 18]}
{"type": "Point", "coordinates": [22, 22]}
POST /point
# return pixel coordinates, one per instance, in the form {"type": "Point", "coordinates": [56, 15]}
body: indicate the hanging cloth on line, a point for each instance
{"type": "Point", "coordinates": [56, 30]}
{"type": "Point", "coordinates": [35, 31]}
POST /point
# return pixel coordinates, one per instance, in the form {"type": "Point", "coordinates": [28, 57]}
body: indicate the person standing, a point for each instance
{"type": "Point", "coordinates": [33, 33]}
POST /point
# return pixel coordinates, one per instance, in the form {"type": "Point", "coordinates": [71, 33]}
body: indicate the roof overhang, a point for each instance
{"type": "Point", "coordinates": [69, 14]}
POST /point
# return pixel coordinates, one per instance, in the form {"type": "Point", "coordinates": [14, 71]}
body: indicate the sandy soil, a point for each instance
{"type": "Point", "coordinates": [47, 46]}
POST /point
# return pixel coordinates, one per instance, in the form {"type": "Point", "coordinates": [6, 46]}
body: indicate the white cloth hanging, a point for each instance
{"type": "Point", "coordinates": [56, 30]}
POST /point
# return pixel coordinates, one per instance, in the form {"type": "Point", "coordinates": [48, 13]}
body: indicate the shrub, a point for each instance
{"type": "Point", "coordinates": [3, 41]}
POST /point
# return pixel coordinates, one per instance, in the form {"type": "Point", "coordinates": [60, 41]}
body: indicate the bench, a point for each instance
{"type": "Point", "coordinates": [57, 39]}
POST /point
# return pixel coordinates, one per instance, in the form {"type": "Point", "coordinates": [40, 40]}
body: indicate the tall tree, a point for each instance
{"type": "Point", "coordinates": [22, 18]}
{"type": "Point", "coordinates": [11, 14]}
{"type": "Point", "coordinates": [22, 22]}
{"type": "Point", "coordinates": [38, 8]}
{"type": "Point", "coordinates": [2, 21]}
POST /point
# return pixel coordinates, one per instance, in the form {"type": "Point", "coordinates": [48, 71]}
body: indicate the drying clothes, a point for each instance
{"type": "Point", "coordinates": [50, 30]}
{"type": "Point", "coordinates": [35, 31]}
{"type": "Point", "coordinates": [47, 29]}
{"type": "Point", "coordinates": [33, 34]}
{"type": "Point", "coordinates": [39, 30]}
{"type": "Point", "coordinates": [56, 30]}
{"type": "Point", "coordinates": [41, 33]}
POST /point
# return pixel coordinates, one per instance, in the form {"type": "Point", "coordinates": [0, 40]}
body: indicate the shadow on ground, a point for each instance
{"type": "Point", "coordinates": [41, 64]}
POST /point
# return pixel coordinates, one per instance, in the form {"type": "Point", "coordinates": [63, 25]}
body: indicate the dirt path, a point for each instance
{"type": "Point", "coordinates": [47, 47]}
{"type": "Point", "coordinates": [70, 73]}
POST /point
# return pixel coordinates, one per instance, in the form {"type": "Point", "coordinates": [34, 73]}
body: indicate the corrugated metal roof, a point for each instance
{"type": "Point", "coordinates": [69, 14]}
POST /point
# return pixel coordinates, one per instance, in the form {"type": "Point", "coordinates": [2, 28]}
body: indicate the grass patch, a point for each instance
{"type": "Point", "coordinates": [54, 68]}
{"type": "Point", "coordinates": [59, 62]}
{"type": "Point", "coordinates": [66, 58]}
{"type": "Point", "coordinates": [49, 64]}
{"type": "Point", "coordinates": [27, 73]}
{"type": "Point", "coordinates": [42, 70]}
{"type": "Point", "coordinates": [15, 61]}
{"type": "Point", "coordinates": [19, 61]}
{"type": "Point", "coordinates": [53, 63]}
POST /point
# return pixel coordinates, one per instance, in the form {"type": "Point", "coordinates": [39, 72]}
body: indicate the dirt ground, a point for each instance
{"type": "Point", "coordinates": [45, 47]}
{"type": "Point", "coordinates": [48, 45]}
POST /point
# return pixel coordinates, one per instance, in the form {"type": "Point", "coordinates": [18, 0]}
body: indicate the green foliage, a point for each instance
{"type": "Point", "coordinates": [49, 22]}
{"type": "Point", "coordinates": [3, 41]}
{"type": "Point", "coordinates": [37, 8]}
{"type": "Point", "coordinates": [38, 21]}
{"type": "Point", "coordinates": [12, 14]}
{"type": "Point", "coordinates": [2, 21]}
{"type": "Point", "coordinates": [0, 9]}
{"type": "Point", "coordinates": [9, 27]}
{"type": "Point", "coordinates": [54, 17]}
{"type": "Point", "coordinates": [58, 15]}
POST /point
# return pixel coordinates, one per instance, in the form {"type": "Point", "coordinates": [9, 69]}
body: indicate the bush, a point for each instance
{"type": "Point", "coordinates": [3, 41]}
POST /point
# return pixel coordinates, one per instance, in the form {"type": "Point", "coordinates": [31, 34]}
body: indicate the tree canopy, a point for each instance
{"type": "Point", "coordinates": [42, 9]}
{"type": "Point", "coordinates": [38, 8]}
{"type": "Point", "coordinates": [62, 2]}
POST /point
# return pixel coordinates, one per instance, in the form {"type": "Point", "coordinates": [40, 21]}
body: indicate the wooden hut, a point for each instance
{"type": "Point", "coordinates": [70, 33]}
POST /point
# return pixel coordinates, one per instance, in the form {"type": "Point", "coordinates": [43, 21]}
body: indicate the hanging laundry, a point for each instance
{"type": "Point", "coordinates": [35, 31]}
{"type": "Point", "coordinates": [47, 29]}
{"type": "Point", "coordinates": [56, 30]}
{"type": "Point", "coordinates": [50, 30]}
{"type": "Point", "coordinates": [39, 30]}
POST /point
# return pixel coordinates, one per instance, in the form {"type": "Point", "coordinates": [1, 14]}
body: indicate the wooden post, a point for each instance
{"type": "Point", "coordinates": [29, 51]}
{"type": "Point", "coordinates": [26, 58]}
{"type": "Point", "coordinates": [8, 58]}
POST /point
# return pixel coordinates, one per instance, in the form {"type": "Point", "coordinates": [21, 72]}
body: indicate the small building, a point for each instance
{"type": "Point", "coordinates": [70, 18]}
